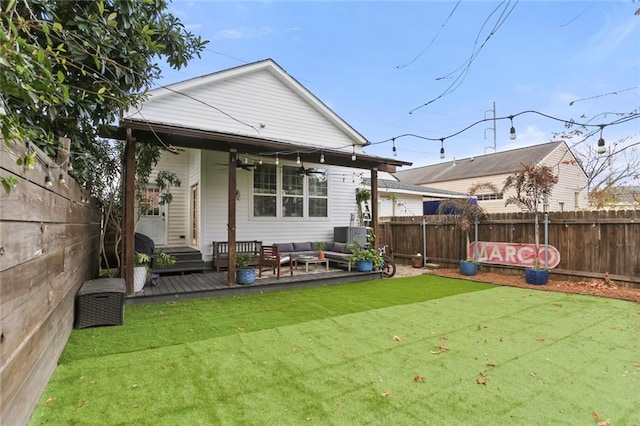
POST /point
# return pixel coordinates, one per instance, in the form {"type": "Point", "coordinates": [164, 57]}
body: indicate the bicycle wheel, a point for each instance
{"type": "Point", "coordinates": [388, 267]}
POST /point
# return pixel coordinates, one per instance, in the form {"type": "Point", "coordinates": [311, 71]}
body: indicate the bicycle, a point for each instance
{"type": "Point", "coordinates": [388, 266]}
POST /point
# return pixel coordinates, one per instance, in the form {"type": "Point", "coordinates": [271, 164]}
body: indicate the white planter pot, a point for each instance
{"type": "Point", "coordinates": [139, 278]}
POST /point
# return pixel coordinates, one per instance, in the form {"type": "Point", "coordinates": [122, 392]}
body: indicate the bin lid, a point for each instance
{"type": "Point", "coordinates": [103, 285]}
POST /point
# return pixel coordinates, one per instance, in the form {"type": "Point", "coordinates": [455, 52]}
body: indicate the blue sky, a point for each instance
{"type": "Point", "coordinates": [374, 62]}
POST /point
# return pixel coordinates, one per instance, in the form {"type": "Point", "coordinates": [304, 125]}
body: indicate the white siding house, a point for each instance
{"type": "Point", "coordinates": [293, 154]}
{"type": "Point", "coordinates": [569, 194]}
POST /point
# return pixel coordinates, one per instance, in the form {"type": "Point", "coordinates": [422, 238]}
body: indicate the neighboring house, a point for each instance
{"type": "Point", "coordinates": [255, 132]}
{"type": "Point", "coordinates": [570, 193]}
{"type": "Point", "coordinates": [396, 198]}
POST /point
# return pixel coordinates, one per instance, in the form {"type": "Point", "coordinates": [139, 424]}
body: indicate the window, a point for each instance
{"type": "Point", "coordinates": [492, 196]}
{"type": "Point", "coordinates": [150, 202]}
{"type": "Point", "coordinates": [264, 191]}
{"type": "Point", "coordinates": [576, 201]}
{"type": "Point", "coordinates": [289, 193]}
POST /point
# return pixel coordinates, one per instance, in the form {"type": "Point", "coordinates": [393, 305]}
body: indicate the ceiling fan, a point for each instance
{"type": "Point", "coordinates": [241, 165]}
{"type": "Point", "coordinates": [310, 171]}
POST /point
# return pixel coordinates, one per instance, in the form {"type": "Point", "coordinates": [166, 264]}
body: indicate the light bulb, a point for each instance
{"type": "Point", "coordinates": [442, 153]}
{"type": "Point", "coordinates": [61, 180]}
{"type": "Point", "coordinates": [353, 157]}
{"type": "Point", "coordinates": [277, 160]}
{"type": "Point", "coordinates": [322, 157]}
{"type": "Point", "coordinates": [601, 148]}
{"type": "Point", "coordinates": [512, 133]}
{"type": "Point", "coordinates": [298, 159]}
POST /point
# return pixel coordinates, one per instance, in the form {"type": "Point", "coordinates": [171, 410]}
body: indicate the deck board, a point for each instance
{"type": "Point", "coordinates": [214, 284]}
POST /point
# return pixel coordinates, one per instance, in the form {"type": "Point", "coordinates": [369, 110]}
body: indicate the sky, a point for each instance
{"type": "Point", "coordinates": [433, 68]}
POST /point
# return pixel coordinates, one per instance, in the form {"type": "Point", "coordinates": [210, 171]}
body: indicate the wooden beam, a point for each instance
{"type": "Point", "coordinates": [128, 216]}
{"type": "Point", "coordinates": [374, 204]}
{"type": "Point", "coordinates": [231, 225]}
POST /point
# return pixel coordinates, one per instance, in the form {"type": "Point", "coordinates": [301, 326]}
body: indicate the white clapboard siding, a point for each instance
{"type": "Point", "coordinates": [262, 102]}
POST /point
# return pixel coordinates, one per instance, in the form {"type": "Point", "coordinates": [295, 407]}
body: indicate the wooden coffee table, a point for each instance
{"type": "Point", "coordinates": [310, 260]}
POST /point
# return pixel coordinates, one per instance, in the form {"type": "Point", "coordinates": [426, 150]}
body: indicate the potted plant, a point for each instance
{"type": "Point", "coordinates": [319, 246]}
{"type": "Point", "coordinates": [140, 271]}
{"type": "Point", "coordinates": [366, 258]}
{"type": "Point", "coordinates": [245, 275]}
{"type": "Point", "coordinates": [163, 260]}
{"type": "Point", "coordinates": [533, 185]}
{"type": "Point", "coordinates": [465, 212]}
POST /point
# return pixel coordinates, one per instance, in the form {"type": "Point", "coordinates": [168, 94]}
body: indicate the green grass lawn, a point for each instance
{"type": "Point", "coordinates": [418, 350]}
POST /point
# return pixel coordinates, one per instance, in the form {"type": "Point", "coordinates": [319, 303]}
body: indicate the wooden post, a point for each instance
{"type": "Point", "coordinates": [231, 225]}
{"type": "Point", "coordinates": [128, 214]}
{"type": "Point", "coordinates": [374, 204]}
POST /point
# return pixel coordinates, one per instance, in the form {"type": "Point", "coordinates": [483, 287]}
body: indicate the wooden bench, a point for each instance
{"type": "Point", "coordinates": [221, 252]}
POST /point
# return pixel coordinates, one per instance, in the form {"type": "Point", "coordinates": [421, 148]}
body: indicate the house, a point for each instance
{"type": "Point", "coordinates": [397, 198]}
{"type": "Point", "coordinates": [570, 193]}
{"type": "Point", "coordinates": [258, 155]}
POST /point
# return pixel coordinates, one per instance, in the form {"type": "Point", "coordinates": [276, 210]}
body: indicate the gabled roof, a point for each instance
{"type": "Point", "coordinates": [483, 165]}
{"type": "Point", "coordinates": [240, 73]}
{"type": "Point", "coordinates": [407, 188]}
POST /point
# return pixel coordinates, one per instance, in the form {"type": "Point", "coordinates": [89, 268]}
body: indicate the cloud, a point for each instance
{"type": "Point", "coordinates": [609, 39]}
{"type": "Point", "coordinates": [244, 33]}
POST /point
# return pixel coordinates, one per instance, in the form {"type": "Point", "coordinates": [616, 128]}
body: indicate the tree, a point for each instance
{"type": "Point", "coordinates": [533, 185]}
{"type": "Point", "coordinates": [466, 212]}
{"type": "Point", "coordinates": [70, 66]}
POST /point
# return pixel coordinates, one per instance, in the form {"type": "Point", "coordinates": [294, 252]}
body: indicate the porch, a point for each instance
{"type": "Point", "coordinates": [214, 284]}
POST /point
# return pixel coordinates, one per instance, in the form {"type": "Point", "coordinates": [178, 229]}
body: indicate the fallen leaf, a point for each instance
{"type": "Point", "coordinates": [310, 340]}
{"type": "Point", "coordinates": [482, 382]}
{"type": "Point", "coordinates": [540, 339]}
{"type": "Point", "coordinates": [241, 328]}
{"type": "Point", "coordinates": [134, 386]}
{"type": "Point", "coordinates": [50, 400]}
{"type": "Point", "coordinates": [397, 338]}
{"type": "Point", "coordinates": [81, 404]}
{"type": "Point", "coordinates": [385, 394]}
{"type": "Point", "coordinates": [535, 375]}
{"type": "Point", "coordinates": [445, 337]}
{"type": "Point", "coordinates": [419, 379]}
{"type": "Point", "coordinates": [490, 364]}
{"type": "Point", "coordinates": [295, 349]}
{"type": "Point", "coordinates": [309, 418]}
{"type": "Point", "coordinates": [596, 416]}
{"type": "Point", "coordinates": [604, 423]}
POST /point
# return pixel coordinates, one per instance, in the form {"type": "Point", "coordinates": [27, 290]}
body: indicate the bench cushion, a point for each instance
{"type": "Point", "coordinates": [285, 247]}
{"type": "Point", "coordinates": [302, 247]}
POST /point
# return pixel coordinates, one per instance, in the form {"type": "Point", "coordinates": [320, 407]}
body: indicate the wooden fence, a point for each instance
{"type": "Point", "coordinates": [591, 243]}
{"type": "Point", "coordinates": [49, 245]}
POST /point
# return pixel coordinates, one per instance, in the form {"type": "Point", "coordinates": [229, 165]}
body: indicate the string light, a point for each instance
{"type": "Point", "coordinates": [353, 156]}
{"type": "Point", "coordinates": [601, 148]}
{"type": "Point", "coordinates": [277, 159]}
{"type": "Point", "coordinates": [260, 160]}
{"type": "Point", "coordinates": [47, 179]}
{"type": "Point", "coordinates": [512, 131]}
{"type": "Point", "coordinates": [61, 179]}
{"type": "Point", "coordinates": [395, 151]}
{"type": "Point", "coordinates": [442, 148]}
{"type": "Point", "coordinates": [321, 157]}
{"type": "Point", "coordinates": [298, 159]}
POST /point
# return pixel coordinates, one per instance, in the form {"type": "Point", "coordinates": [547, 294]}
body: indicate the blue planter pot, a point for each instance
{"type": "Point", "coordinates": [364, 265]}
{"type": "Point", "coordinates": [536, 276]}
{"type": "Point", "coordinates": [245, 276]}
{"type": "Point", "coordinates": [468, 268]}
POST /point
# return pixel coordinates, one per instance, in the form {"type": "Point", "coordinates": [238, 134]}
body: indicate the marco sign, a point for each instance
{"type": "Point", "coordinates": [514, 254]}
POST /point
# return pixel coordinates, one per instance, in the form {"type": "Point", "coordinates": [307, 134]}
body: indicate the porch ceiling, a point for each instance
{"type": "Point", "coordinates": [168, 135]}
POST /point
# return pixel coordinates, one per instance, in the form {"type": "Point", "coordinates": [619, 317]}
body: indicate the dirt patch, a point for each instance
{"type": "Point", "coordinates": [601, 288]}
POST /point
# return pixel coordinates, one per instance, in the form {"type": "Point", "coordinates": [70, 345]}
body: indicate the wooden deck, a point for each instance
{"type": "Point", "coordinates": [214, 284]}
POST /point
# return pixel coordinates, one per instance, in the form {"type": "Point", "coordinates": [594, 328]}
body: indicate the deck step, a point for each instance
{"type": "Point", "coordinates": [184, 266]}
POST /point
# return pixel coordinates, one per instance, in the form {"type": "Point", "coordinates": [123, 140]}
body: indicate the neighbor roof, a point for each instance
{"type": "Point", "coordinates": [408, 188]}
{"type": "Point", "coordinates": [482, 165]}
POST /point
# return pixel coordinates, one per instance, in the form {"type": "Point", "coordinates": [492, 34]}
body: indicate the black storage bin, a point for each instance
{"type": "Point", "coordinates": [100, 302]}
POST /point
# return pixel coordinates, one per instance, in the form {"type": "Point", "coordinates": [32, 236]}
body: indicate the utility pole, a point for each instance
{"type": "Point", "coordinates": [489, 128]}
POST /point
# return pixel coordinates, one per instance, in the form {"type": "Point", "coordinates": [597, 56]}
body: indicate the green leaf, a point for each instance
{"type": "Point", "coordinates": [112, 16]}
{"type": "Point", "coordinates": [101, 90]}
{"type": "Point", "coordinates": [60, 76]}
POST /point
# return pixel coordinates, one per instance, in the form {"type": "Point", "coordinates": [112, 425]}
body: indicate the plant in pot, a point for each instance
{"type": "Point", "coordinates": [140, 271]}
{"type": "Point", "coordinates": [365, 257]}
{"type": "Point", "coordinates": [533, 185]}
{"type": "Point", "coordinates": [245, 274]}
{"type": "Point", "coordinates": [465, 212]}
{"type": "Point", "coordinates": [319, 246]}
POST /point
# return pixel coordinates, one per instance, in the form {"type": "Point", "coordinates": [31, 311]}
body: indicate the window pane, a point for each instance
{"type": "Point", "coordinates": [318, 207]}
{"type": "Point", "coordinates": [292, 181]}
{"type": "Point", "coordinates": [264, 179]}
{"type": "Point", "coordinates": [150, 202]}
{"type": "Point", "coordinates": [264, 205]}
{"type": "Point", "coordinates": [292, 206]}
{"type": "Point", "coordinates": [317, 185]}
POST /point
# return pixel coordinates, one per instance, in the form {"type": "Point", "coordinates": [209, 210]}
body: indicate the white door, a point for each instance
{"type": "Point", "coordinates": [152, 219]}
